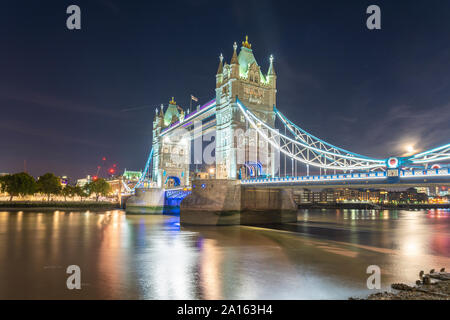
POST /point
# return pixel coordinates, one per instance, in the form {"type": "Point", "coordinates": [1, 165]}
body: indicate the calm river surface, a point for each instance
{"type": "Point", "coordinates": [322, 256]}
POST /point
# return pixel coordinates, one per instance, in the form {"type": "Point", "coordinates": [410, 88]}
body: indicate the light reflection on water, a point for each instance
{"type": "Point", "coordinates": [323, 256]}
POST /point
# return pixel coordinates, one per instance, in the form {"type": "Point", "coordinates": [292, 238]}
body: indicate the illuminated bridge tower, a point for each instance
{"type": "Point", "coordinates": [170, 163]}
{"type": "Point", "coordinates": [242, 78]}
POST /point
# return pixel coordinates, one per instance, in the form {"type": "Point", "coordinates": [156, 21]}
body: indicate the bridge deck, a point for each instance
{"type": "Point", "coordinates": [416, 177]}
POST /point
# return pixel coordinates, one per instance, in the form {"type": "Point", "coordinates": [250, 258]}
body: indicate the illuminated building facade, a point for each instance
{"type": "Point", "coordinates": [241, 79]}
{"type": "Point", "coordinates": [409, 196]}
{"type": "Point", "coordinates": [84, 181]}
{"type": "Point", "coordinates": [171, 155]}
{"type": "Point", "coordinates": [64, 181]}
{"type": "Point", "coordinates": [131, 175]}
{"type": "Point", "coordinates": [359, 195]}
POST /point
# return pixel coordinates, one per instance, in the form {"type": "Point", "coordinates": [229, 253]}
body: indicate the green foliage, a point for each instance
{"type": "Point", "coordinates": [69, 191]}
{"type": "Point", "coordinates": [18, 184]}
{"type": "Point", "coordinates": [21, 184]}
{"type": "Point", "coordinates": [98, 188]}
{"type": "Point", "coordinates": [52, 205]}
{"type": "Point", "coordinates": [49, 184]}
{"type": "Point", "coordinates": [81, 192]}
{"type": "Point", "coordinates": [2, 183]}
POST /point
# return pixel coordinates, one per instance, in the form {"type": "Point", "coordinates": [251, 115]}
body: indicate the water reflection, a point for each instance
{"type": "Point", "coordinates": [322, 256]}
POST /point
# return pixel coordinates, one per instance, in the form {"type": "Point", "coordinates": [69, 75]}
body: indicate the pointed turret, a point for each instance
{"type": "Point", "coordinates": [219, 74]}
{"type": "Point", "coordinates": [248, 67]}
{"type": "Point", "coordinates": [271, 71]}
{"type": "Point", "coordinates": [234, 58]}
{"type": "Point", "coordinates": [246, 44]}
{"type": "Point", "coordinates": [271, 75]}
{"type": "Point", "coordinates": [158, 120]}
{"type": "Point", "coordinates": [220, 69]}
{"type": "Point", "coordinates": [234, 63]}
{"type": "Point", "coordinates": [172, 114]}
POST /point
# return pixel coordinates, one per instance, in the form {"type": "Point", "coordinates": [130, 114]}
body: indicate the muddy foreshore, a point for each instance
{"type": "Point", "coordinates": [432, 286]}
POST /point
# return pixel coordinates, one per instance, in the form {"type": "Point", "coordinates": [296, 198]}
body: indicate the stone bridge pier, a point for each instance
{"type": "Point", "coordinates": [227, 202]}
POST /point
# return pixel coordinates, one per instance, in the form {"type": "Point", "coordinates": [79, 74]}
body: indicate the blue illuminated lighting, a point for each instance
{"type": "Point", "coordinates": [176, 180]}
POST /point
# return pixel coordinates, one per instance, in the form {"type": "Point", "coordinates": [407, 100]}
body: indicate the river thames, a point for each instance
{"type": "Point", "coordinates": [323, 256]}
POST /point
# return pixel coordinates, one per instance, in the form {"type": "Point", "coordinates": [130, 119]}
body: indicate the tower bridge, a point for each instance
{"type": "Point", "coordinates": [255, 155]}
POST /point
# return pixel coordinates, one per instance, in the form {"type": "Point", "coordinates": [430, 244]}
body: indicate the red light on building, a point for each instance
{"type": "Point", "coordinates": [111, 171]}
{"type": "Point", "coordinates": [94, 178]}
{"type": "Point", "coordinates": [104, 158]}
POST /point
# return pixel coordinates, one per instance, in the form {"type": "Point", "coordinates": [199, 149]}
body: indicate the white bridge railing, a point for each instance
{"type": "Point", "coordinates": [348, 177]}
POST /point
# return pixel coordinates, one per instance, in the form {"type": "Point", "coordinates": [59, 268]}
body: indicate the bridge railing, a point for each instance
{"type": "Point", "coordinates": [348, 176]}
{"type": "Point", "coordinates": [424, 173]}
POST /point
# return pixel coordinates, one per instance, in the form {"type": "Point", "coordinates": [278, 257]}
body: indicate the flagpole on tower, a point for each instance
{"type": "Point", "coordinates": [190, 103]}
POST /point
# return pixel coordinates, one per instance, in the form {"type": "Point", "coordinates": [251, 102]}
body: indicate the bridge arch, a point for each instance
{"type": "Point", "coordinates": [172, 181]}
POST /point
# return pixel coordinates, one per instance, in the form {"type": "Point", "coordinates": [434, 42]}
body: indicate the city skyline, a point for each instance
{"type": "Point", "coordinates": [71, 98]}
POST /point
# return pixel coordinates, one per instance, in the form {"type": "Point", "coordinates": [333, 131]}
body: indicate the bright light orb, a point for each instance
{"type": "Point", "coordinates": [409, 148]}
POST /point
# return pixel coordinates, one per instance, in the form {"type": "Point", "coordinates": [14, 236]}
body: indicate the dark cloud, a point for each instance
{"type": "Point", "coordinates": [423, 128]}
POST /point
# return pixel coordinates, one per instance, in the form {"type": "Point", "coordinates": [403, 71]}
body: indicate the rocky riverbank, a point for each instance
{"type": "Point", "coordinates": [431, 286]}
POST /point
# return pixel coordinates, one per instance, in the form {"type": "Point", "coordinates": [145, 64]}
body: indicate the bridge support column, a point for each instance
{"type": "Point", "coordinates": [212, 202]}
{"type": "Point", "coordinates": [146, 201]}
{"type": "Point", "coordinates": [226, 202]}
{"type": "Point", "coordinates": [267, 205]}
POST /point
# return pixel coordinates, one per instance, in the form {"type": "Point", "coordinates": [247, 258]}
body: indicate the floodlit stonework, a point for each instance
{"type": "Point", "coordinates": [243, 79]}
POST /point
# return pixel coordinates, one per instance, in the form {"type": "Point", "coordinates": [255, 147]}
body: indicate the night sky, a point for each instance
{"type": "Point", "coordinates": [68, 98]}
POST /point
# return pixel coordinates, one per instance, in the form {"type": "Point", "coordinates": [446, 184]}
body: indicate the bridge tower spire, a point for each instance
{"type": "Point", "coordinates": [234, 63]}
{"type": "Point", "coordinates": [271, 75]}
{"type": "Point", "coordinates": [219, 74]}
